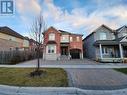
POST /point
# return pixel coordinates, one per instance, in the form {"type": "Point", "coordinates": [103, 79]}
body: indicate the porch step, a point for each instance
{"type": "Point", "coordinates": [64, 57]}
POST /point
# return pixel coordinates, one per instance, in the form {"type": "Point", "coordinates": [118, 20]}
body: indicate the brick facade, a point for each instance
{"type": "Point", "coordinates": [60, 48]}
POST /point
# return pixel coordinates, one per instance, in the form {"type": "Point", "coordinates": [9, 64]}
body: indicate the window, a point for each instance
{"type": "Point", "coordinates": [51, 36]}
{"type": "Point", "coordinates": [65, 38]}
{"type": "Point", "coordinates": [77, 39]}
{"type": "Point", "coordinates": [51, 49]}
{"type": "Point", "coordinates": [103, 36]}
{"type": "Point", "coordinates": [71, 39]}
{"type": "Point", "coordinates": [124, 34]}
{"type": "Point", "coordinates": [104, 50]}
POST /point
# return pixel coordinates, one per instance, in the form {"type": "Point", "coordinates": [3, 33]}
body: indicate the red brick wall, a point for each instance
{"type": "Point", "coordinates": [73, 45]}
{"type": "Point", "coordinates": [76, 44]}
{"type": "Point", "coordinates": [57, 38]}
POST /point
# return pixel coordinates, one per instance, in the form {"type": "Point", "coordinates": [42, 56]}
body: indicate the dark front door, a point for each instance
{"type": "Point", "coordinates": [64, 51]}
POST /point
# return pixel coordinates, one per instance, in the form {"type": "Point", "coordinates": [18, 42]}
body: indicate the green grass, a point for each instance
{"type": "Point", "coordinates": [20, 77]}
{"type": "Point", "coordinates": [123, 70]}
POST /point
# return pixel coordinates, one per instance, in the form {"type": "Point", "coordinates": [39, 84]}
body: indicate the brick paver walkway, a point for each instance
{"type": "Point", "coordinates": [105, 79]}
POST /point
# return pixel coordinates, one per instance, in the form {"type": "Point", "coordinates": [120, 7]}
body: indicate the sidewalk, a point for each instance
{"type": "Point", "coordinates": [11, 90]}
{"type": "Point", "coordinates": [69, 66]}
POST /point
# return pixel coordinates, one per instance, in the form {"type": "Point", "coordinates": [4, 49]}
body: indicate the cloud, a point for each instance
{"type": "Point", "coordinates": [27, 9]}
{"type": "Point", "coordinates": [78, 18]}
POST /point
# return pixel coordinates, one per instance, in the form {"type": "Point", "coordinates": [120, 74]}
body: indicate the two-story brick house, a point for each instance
{"type": "Point", "coordinates": [106, 45]}
{"type": "Point", "coordinates": [11, 40]}
{"type": "Point", "coordinates": [60, 45]}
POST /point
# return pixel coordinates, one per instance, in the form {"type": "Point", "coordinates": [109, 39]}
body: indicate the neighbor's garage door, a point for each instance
{"type": "Point", "coordinates": [75, 54]}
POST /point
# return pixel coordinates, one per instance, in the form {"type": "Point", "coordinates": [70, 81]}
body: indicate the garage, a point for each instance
{"type": "Point", "coordinates": [75, 53]}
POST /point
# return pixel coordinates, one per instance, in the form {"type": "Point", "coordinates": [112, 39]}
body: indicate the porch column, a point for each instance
{"type": "Point", "coordinates": [69, 55]}
{"type": "Point", "coordinates": [121, 50]}
{"type": "Point", "coordinates": [100, 47]}
{"type": "Point", "coordinates": [81, 55]}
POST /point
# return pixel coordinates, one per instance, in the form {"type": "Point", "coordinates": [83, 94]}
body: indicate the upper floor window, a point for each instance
{"type": "Point", "coordinates": [71, 39]}
{"type": "Point", "coordinates": [103, 36]}
{"type": "Point", "coordinates": [65, 38]}
{"type": "Point", "coordinates": [77, 38]}
{"type": "Point", "coordinates": [51, 36]}
{"type": "Point", "coordinates": [125, 34]}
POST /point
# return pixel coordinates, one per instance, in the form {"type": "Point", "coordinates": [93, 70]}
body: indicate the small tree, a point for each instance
{"type": "Point", "coordinates": [37, 29]}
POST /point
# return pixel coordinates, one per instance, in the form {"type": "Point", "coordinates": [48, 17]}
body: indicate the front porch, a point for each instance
{"type": "Point", "coordinates": [67, 53]}
{"type": "Point", "coordinates": [112, 51]}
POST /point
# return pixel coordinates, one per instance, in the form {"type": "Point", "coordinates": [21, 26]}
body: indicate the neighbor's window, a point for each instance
{"type": "Point", "coordinates": [51, 36]}
{"type": "Point", "coordinates": [104, 50]}
{"type": "Point", "coordinates": [51, 49]}
{"type": "Point", "coordinates": [71, 39]}
{"type": "Point", "coordinates": [124, 34]}
{"type": "Point", "coordinates": [103, 36]}
{"type": "Point", "coordinates": [77, 38]}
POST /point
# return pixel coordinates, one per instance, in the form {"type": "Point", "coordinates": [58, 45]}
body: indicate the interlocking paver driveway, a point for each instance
{"type": "Point", "coordinates": [97, 79]}
{"type": "Point", "coordinates": [55, 62]}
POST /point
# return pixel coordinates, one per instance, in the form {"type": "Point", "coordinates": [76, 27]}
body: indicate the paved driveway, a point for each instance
{"type": "Point", "coordinates": [105, 79]}
{"type": "Point", "coordinates": [62, 62]}
{"type": "Point", "coordinates": [85, 63]}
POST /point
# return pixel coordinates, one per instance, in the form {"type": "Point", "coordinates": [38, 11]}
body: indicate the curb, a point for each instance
{"type": "Point", "coordinates": [14, 90]}
{"type": "Point", "coordinates": [67, 66]}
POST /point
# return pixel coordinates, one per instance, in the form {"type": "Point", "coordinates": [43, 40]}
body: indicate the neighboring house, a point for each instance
{"type": "Point", "coordinates": [106, 45]}
{"type": "Point", "coordinates": [60, 45]}
{"type": "Point", "coordinates": [26, 44]}
{"type": "Point", "coordinates": [11, 40]}
{"type": "Point", "coordinates": [32, 44]}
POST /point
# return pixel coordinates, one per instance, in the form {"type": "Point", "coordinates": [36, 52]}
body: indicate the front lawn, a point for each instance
{"type": "Point", "coordinates": [20, 77]}
{"type": "Point", "coordinates": [123, 70]}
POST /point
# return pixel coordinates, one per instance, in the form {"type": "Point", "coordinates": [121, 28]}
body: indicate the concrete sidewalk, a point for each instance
{"type": "Point", "coordinates": [69, 66]}
{"type": "Point", "coordinates": [11, 90]}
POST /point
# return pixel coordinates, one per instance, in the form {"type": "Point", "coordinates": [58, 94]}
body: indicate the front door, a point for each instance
{"type": "Point", "coordinates": [64, 50]}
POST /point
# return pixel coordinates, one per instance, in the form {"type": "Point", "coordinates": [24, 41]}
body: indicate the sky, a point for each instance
{"type": "Point", "coordinates": [75, 16]}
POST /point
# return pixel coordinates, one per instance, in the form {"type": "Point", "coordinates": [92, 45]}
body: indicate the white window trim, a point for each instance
{"type": "Point", "coordinates": [47, 49]}
{"type": "Point", "coordinates": [77, 38]}
{"type": "Point", "coordinates": [104, 49]}
{"type": "Point", "coordinates": [52, 36]}
{"type": "Point", "coordinates": [71, 39]}
{"type": "Point", "coordinates": [102, 36]}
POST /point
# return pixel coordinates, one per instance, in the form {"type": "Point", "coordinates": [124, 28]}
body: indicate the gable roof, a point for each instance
{"type": "Point", "coordinates": [97, 29]}
{"type": "Point", "coordinates": [62, 31]}
{"type": "Point", "coordinates": [51, 27]}
{"type": "Point", "coordinates": [7, 30]}
{"type": "Point", "coordinates": [121, 28]}
{"type": "Point", "coordinates": [104, 27]}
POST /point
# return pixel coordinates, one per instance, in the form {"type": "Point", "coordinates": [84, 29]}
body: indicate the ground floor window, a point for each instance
{"type": "Point", "coordinates": [51, 49]}
{"type": "Point", "coordinates": [104, 50]}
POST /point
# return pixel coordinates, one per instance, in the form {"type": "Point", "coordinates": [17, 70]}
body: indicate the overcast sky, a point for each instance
{"type": "Point", "coordinates": [76, 16]}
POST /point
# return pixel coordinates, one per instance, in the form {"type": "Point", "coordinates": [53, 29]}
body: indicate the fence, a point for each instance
{"type": "Point", "coordinates": [13, 57]}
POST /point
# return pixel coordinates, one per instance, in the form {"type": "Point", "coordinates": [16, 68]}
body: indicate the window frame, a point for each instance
{"type": "Point", "coordinates": [51, 49]}
{"type": "Point", "coordinates": [71, 39]}
{"type": "Point", "coordinates": [102, 36]}
{"type": "Point", "coordinates": [105, 50]}
{"type": "Point", "coordinates": [51, 36]}
{"type": "Point", "coordinates": [78, 39]}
